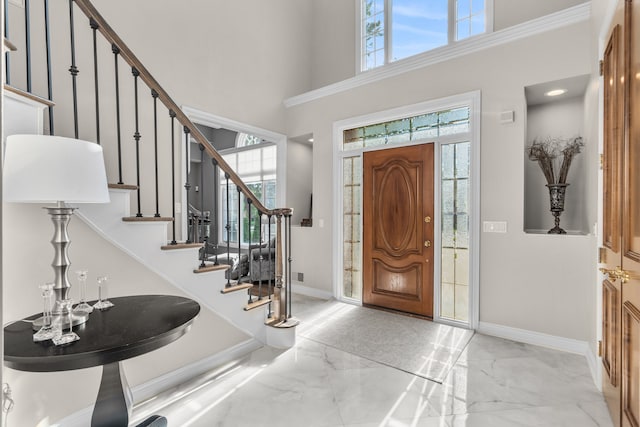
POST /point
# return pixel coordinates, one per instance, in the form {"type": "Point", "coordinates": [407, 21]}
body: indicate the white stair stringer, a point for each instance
{"type": "Point", "coordinates": [142, 241]}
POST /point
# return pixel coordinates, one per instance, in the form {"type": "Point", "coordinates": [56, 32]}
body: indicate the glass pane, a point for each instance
{"type": "Point", "coordinates": [448, 152]}
{"type": "Point", "coordinates": [477, 6]}
{"type": "Point", "coordinates": [353, 145]}
{"type": "Point", "coordinates": [462, 160]}
{"type": "Point", "coordinates": [269, 159]}
{"type": "Point", "coordinates": [353, 135]}
{"type": "Point", "coordinates": [447, 230]}
{"type": "Point", "coordinates": [463, 8]}
{"type": "Point", "coordinates": [347, 201]}
{"type": "Point", "coordinates": [462, 196]}
{"type": "Point", "coordinates": [462, 231]}
{"type": "Point", "coordinates": [477, 24]}
{"type": "Point", "coordinates": [347, 287]}
{"type": "Point", "coordinates": [418, 26]}
{"type": "Point", "coordinates": [379, 54]}
{"type": "Point", "coordinates": [347, 232]}
{"type": "Point", "coordinates": [453, 116]}
{"type": "Point", "coordinates": [447, 305]}
{"type": "Point", "coordinates": [462, 267]}
{"type": "Point", "coordinates": [347, 258]}
{"type": "Point", "coordinates": [448, 196]}
{"type": "Point", "coordinates": [357, 170]}
{"type": "Point", "coordinates": [356, 199]}
{"type": "Point", "coordinates": [249, 162]}
{"type": "Point", "coordinates": [448, 265]}
{"type": "Point", "coordinates": [462, 30]}
{"type": "Point", "coordinates": [424, 122]}
{"type": "Point", "coordinates": [347, 171]}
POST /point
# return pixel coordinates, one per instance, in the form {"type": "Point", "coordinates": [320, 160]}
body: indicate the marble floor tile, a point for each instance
{"type": "Point", "coordinates": [494, 383]}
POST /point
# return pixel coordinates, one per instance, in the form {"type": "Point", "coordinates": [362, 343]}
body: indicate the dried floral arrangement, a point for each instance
{"type": "Point", "coordinates": [547, 152]}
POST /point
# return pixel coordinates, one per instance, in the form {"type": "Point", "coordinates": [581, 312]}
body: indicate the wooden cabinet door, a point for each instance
{"type": "Point", "coordinates": [398, 229]}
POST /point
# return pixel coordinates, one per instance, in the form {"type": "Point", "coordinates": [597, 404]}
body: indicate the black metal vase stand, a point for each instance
{"type": "Point", "coordinates": [556, 199]}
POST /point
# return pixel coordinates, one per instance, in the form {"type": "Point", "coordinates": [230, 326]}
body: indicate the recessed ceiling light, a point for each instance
{"type": "Point", "coordinates": [555, 92]}
{"type": "Point", "coordinates": [310, 139]}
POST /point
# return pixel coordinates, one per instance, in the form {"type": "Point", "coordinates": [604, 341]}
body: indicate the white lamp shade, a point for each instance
{"type": "Point", "coordinates": [46, 169]}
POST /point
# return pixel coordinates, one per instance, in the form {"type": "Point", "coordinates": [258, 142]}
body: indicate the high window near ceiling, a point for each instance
{"type": "Point", "coordinates": [396, 29]}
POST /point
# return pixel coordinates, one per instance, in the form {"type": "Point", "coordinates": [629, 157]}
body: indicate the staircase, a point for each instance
{"type": "Point", "coordinates": [109, 97]}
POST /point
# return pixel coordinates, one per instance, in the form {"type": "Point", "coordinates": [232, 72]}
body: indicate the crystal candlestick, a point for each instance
{"type": "Point", "coordinates": [103, 302]}
{"type": "Point", "coordinates": [48, 329]}
{"type": "Point", "coordinates": [69, 336]}
{"type": "Point", "coordinates": [82, 307]}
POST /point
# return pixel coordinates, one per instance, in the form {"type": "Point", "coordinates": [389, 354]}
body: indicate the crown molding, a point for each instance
{"type": "Point", "coordinates": [563, 18]}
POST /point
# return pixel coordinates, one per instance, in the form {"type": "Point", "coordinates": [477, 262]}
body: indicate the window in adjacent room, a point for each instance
{"type": "Point", "coordinates": [255, 161]}
{"type": "Point", "coordinates": [397, 29]}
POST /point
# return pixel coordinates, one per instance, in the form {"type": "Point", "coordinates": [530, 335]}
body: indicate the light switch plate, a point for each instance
{"type": "Point", "coordinates": [494, 226]}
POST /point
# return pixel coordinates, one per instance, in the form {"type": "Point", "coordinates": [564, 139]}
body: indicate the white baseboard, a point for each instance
{"type": "Point", "coordinates": [147, 390]}
{"type": "Point", "coordinates": [299, 288]}
{"type": "Point", "coordinates": [545, 340]}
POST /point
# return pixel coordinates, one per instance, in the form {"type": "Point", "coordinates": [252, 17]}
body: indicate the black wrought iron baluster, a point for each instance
{"type": "Point", "coordinates": [202, 192]}
{"type": "Point", "coordinates": [73, 69]}
{"type": "Point", "coordinates": [172, 114]}
{"type": "Point", "coordinates": [7, 58]}
{"type": "Point", "coordinates": [47, 42]}
{"type": "Point", "coordinates": [228, 228]}
{"type": "Point", "coordinates": [271, 270]}
{"type": "Point", "coordinates": [249, 255]}
{"type": "Point", "coordinates": [260, 257]}
{"type": "Point", "coordinates": [154, 94]}
{"type": "Point", "coordinates": [27, 40]}
{"type": "Point", "coordinates": [136, 135]}
{"type": "Point", "coordinates": [94, 27]}
{"type": "Point", "coordinates": [214, 213]}
{"type": "Point", "coordinates": [116, 52]}
{"type": "Point", "coordinates": [289, 259]}
{"type": "Point", "coordinates": [187, 186]}
{"type": "Point", "coordinates": [239, 232]}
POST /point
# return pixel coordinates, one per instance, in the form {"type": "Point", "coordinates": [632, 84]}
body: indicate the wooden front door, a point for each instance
{"type": "Point", "coordinates": [398, 229]}
{"type": "Point", "coordinates": [621, 228]}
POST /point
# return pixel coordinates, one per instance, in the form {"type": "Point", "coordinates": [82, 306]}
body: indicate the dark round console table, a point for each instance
{"type": "Point", "coordinates": [135, 325]}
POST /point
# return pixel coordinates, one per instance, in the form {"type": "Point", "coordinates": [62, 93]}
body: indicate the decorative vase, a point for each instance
{"type": "Point", "coordinates": [556, 200]}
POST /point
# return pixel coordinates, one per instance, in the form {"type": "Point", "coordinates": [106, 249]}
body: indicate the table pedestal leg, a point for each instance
{"type": "Point", "coordinates": [113, 405]}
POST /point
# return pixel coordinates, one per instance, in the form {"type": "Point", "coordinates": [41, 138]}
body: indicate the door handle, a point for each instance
{"type": "Point", "coordinates": [618, 273]}
{"type": "Point", "coordinates": [427, 243]}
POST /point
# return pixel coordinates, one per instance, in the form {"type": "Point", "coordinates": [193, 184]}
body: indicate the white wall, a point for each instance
{"type": "Point", "coordinates": [534, 282]}
{"type": "Point", "coordinates": [563, 119]}
{"type": "Point", "coordinates": [508, 13]}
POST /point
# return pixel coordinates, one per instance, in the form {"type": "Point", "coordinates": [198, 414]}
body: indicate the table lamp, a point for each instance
{"type": "Point", "coordinates": [53, 169]}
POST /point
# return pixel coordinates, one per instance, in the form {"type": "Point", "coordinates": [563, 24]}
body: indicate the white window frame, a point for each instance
{"type": "Point", "coordinates": [451, 32]}
{"type": "Point", "coordinates": [470, 99]}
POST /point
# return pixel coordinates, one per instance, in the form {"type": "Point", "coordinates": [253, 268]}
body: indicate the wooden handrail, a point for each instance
{"type": "Point", "coordinates": [110, 35]}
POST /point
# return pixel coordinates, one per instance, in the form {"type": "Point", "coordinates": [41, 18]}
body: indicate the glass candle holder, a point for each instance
{"type": "Point", "coordinates": [68, 336]}
{"type": "Point", "coordinates": [48, 329]}
{"type": "Point", "coordinates": [82, 306]}
{"type": "Point", "coordinates": [103, 301]}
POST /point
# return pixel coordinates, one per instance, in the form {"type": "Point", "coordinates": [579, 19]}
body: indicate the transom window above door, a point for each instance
{"type": "Point", "coordinates": [395, 29]}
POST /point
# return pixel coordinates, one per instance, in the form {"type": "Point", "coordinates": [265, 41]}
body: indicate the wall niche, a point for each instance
{"type": "Point", "coordinates": [555, 110]}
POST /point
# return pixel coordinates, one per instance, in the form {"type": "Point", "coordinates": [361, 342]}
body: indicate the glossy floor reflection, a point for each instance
{"type": "Point", "coordinates": [495, 383]}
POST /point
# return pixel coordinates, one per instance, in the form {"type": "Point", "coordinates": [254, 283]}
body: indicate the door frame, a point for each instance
{"type": "Point", "coordinates": [468, 99]}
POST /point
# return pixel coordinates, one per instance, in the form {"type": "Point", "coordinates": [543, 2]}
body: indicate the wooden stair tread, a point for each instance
{"type": "Point", "coordinates": [236, 287]}
{"type": "Point", "coordinates": [257, 303]}
{"type": "Point", "coordinates": [209, 268]}
{"type": "Point", "coordinates": [123, 186]}
{"type": "Point", "coordinates": [10, 46]}
{"type": "Point", "coordinates": [147, 219]}
{"type": "Point", "coordinates": [170, 247]}
{"type": "Point", "coordinates": [288, 323]}
{"type": "Point", "coordinates": [28, 95]}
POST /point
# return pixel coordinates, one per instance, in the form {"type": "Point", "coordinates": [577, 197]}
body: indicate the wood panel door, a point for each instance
{"type": "Point", "coordinates": [621, 217]}
{"type": "Point", "coordinates": [630, 273]}
{"type": "Point", "coordinates": [398, 229]}
{"type": "Point", "coordinates": [614, 123]}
